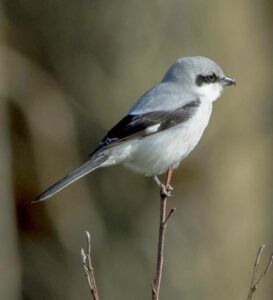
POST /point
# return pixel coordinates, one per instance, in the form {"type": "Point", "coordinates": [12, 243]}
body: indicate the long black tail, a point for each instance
{"type": "Point", "coordinates": [86, 168]}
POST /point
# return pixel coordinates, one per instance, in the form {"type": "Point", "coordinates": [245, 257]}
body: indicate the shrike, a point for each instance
{"type": "Point", "coordinates": [162, 127]}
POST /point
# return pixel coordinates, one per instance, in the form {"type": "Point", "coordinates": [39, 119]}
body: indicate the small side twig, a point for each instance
{"type": "Point", "coordinates": [254, 281]}
{"type": "Point", "coordinates": [162, 227]}
{"type": "Point", "coordinates": [169, 215]}
{"type": "Point", "coordinates": [88, 268]}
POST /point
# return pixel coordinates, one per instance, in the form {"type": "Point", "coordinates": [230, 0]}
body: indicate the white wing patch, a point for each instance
{"type": "Point", "coordinates": [152, 129]}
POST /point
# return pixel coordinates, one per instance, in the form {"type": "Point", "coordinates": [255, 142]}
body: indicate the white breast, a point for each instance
{"type": "Point", "coordinates": [154, 154]}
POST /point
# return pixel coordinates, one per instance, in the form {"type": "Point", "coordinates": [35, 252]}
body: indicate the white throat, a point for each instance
{"type": "Point", "coordinates": [210, 92]}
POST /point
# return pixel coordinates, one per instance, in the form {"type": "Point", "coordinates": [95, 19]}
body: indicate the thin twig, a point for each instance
{"type": "Point", "coordinates": [88, 268]}
{"type": "Point", "coordinates": [255, 282]}
{"type": "Point", "coordinates": [169, 215]}
{"type": "Point", "coordinates": [162, 227]}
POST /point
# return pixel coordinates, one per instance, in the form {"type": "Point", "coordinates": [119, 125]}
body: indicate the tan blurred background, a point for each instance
{"type": "Point", "coordinates": [68, 71]}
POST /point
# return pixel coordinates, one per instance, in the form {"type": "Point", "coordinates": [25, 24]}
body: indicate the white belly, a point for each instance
{"type": "Point", "coordinates": [154, 154]}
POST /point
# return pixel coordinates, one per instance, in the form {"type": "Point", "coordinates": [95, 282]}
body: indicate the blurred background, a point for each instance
{"type": "Point", "coordinates": [69, 70]}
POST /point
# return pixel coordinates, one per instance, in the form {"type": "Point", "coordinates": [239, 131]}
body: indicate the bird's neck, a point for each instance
{"type": "Point", "coordinates": [209, 92]}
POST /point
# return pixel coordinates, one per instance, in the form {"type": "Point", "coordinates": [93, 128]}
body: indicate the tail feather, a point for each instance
{"type": "Point", "coordinates": [86, 168]}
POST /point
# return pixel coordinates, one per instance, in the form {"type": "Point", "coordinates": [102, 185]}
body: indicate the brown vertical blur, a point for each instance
{"type": "Point", "coordinates": [68, 71]}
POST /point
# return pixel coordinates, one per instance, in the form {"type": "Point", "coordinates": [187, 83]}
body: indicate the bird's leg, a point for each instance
{"type": "Point", "coordinates": [166, 189]}
{"type": "Point", "coordinates": [168, 186]}
{"type": "Point", "coordinates": [157, 181]}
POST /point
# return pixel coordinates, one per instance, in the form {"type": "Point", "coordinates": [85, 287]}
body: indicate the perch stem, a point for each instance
{"type": "Point", "coordinates": [161, 238]}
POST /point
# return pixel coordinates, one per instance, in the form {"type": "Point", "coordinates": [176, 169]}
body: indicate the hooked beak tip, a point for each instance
{"type": "Point", "coordinates": [226, 81]}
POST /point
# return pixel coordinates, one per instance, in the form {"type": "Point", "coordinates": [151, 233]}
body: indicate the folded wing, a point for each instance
{"type": "Point", "coordinates": [141, 125]}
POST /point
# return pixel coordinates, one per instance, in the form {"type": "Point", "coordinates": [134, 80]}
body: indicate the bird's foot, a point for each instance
{"type": "Point", "coordinates": [165, 190]}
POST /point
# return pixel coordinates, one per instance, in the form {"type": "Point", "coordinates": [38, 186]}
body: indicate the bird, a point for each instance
{"type": "Point", "coordinates": [163, 126]}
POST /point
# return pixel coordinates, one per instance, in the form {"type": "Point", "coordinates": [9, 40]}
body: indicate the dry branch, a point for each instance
{"type": "Point", "coordinates": [254, 281]}
{"type": "Point", "coordinates": [88, 268]}
{"type": "Point", "coordinates": [164, 194]}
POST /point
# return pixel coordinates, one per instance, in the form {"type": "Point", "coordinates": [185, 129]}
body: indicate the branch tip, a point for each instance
{"type": "Point", "coordinates": [87, 233]}
{"type": "Point", "coordinates": [254, 283]}
{"type": "Point", "coordinates": [88, 268]}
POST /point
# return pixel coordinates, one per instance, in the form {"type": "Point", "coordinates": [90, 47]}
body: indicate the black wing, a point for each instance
{"type": "Point", "coordinates": [142, 125]}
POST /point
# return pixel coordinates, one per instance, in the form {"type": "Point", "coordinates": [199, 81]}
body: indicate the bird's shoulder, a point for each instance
{"type": "Point", "coordinates": [163, 96]}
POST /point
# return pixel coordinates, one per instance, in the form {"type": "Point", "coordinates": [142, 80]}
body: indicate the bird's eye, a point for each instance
{"type": "Point", "coordinates": [212, 77]}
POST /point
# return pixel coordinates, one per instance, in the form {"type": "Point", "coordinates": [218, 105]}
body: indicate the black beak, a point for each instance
{"type": "Point", "coordinates": [227, 81]}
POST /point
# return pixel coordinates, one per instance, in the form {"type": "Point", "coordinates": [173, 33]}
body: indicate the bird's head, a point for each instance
{"type": "Point", "coordinates": [199, 75]}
